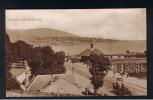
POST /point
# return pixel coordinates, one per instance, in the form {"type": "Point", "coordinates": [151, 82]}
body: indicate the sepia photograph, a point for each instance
{"type": "Point", "coordinates": [75, 52]}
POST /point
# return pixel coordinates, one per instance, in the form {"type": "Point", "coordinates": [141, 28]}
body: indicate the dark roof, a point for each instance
{"type": "Point", "coordinates": [88, 52]}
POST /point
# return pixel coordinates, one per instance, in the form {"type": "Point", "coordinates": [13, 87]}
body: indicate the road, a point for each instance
{"type": "Point", "coordinates": [83, 70]}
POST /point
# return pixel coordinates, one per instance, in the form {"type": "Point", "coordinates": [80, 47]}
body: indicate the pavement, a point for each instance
{"type": "Point", "coordinates": [142, 83]}
{"type": "Point", "coordinates": [136, 90]}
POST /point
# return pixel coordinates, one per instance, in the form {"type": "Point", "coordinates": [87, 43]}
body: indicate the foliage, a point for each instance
{"type": "Point", "coordinates": [35, 60]}
{"type": "Point", "coordinates": [11, 82]}
{"type": "Point", "coordinates": [98, 64]}
{"type": "Point", "coordinates": [138, 75]}
{"type": "Point", "coordinates": [43, 60]}
{"type": "Point", "coordinates": [121, 90]}
{"type": "Point", "coordinates": [58, 64]}
{"type": "Point", "coordinates": [21, 50]}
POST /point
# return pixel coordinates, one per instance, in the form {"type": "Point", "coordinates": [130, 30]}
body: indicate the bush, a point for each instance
{"type": "Point", "coordinates": [11, 82]}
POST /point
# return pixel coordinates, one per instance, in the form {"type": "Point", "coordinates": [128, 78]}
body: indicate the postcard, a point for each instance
{"type": "Point", "coordinates": [75, 52]}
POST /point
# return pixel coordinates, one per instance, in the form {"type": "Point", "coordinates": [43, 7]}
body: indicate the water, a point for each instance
{"type": "Point", "coordinates": [105, 47]}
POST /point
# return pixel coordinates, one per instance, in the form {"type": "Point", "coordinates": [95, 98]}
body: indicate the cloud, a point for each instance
{"type": "Point", "coordinates": [107, 23]}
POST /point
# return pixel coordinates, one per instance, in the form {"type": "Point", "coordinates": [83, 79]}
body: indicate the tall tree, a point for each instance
{"type": "Point", "coordinates": [98, 65]}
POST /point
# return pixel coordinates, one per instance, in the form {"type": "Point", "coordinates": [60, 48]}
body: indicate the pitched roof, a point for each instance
{"type": "Point", "coordinates": [41, 81]}
{"type": "Point", "coordinates": [88, 52]}
{"type": "Point", "coordinates": [68, 84]}
{"type": "Point", "coordinates": [70, 79]}
{"type": "Point", "coordinates": [64, 85]}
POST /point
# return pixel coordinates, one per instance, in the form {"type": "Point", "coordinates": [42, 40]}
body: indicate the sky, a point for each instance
{"type": "Point", "coordinates": [122, 24]}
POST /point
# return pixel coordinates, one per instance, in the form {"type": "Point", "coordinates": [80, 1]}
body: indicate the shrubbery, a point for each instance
{"type": "Point", "coordinates": [11, 82]}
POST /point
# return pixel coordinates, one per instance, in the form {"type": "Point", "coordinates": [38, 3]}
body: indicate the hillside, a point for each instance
{"type": "Point", "coordinates": [46, 36]}
{"type": "Point", "coordinates": [34, 34]}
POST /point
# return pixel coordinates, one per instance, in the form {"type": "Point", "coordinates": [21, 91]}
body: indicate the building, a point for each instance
{"type": "Point", "coordinates": [69, 83]}
{"type": "Point", "coordinates": [64, 85]}
{"type": "Point", "coordinates": [91, 51]}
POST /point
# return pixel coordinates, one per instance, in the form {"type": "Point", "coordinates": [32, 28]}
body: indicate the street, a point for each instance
{"type": "Point", "coordinates": [82, 70]}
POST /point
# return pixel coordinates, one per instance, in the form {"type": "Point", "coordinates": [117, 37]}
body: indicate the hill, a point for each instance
{"type": "Point", "coordinates": [36, 34]}
{"type": "Point", "coordinates": [46, 36]}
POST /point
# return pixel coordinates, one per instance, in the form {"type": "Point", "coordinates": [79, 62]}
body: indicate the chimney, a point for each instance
{"type": "Point", "coordinates": [91, 45]}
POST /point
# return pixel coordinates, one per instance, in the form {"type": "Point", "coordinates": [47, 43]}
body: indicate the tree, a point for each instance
{"type": "Point", "coordinates": [35, 60]}
{"type": "Point", "coordinates": [11, 82]}
{"type": "Point", "coordinates": [98, 64]}
{"type": "Point", "coordinates": [21, 50]}
{"type": "Point", "coordinates": [47, 59]}
{"type": "Point", "coordinates": [58, 64]}
{"type": "Point", "coordinates": [43, 60]}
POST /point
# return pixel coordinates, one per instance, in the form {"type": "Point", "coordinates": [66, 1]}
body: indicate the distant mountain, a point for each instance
{"type": "Point", "coordinates": [46, 36]}
{"type": "Point", "coordinates": [38, 33]}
